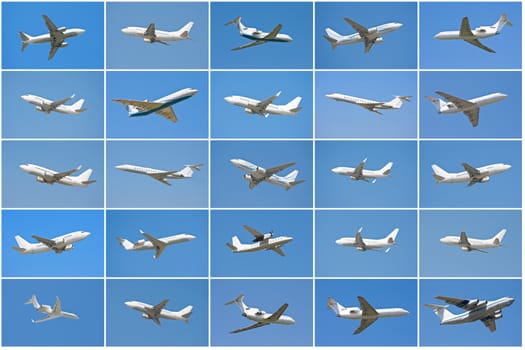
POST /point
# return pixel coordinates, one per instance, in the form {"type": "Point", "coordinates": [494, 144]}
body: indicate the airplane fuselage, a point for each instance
{"type": "Point", "coordinates": [44, 105]}
{"type": "Point", "coordinates": [374, 33]}
{"type": "Point", "coordinates": [355, 313]}
{"type": "Point", "coordinates": [251, 106]}
{"type": "Point", "coordinates": [478, 33]}
{"type": "Point", "coordinates": [263, 245]}
{"type": "Point", "coordinates": [63, 242]}
{"type": "Point", "coordinates": [473, 243]}
{"type": "Point", "coordinates": [45, 175]}
{"type": "Point", "coordinates": [149, 171]}
{"type": "Point", "coordinates": [175, 239]}
{"type": "Point", "coordinates": [485, 310]}
{"type": "Point", "coordinates": [144, 308]}
{"type": "Point", "coordinates": [375, 174]}
{"type": "Point", "coordinates": [167, 101]}
{"type": "Point", "coordinates": [160, 35]}
{"type": "Point", "coordinates": [262, 316]}
{"type": "Point", "coordinates": [369, 243]}
{"type": "Point", "coordinates": [485, 172]}
{"type": "Point", "coordinates": [46, 38]}
{"type": "Point", "coordinates": [477, 102]}
{"type": "Point", "coordinates": [255, 34]}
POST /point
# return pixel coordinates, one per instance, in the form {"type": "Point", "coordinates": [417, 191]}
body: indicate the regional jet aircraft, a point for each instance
{"type": "Point", "coordinates": [469, 244]}
{"type": "Point", "coordinates": [152, 35]}
{"type": "Point", "coordinates": [371, 105]}
{"type": "Point", "coordinates": [50, 177]}
{"type": "Point", "coordinates": [262, 318]}
{"type": "Point", "coordinates": [471, 175]}
{"type": "Point", "coordinates": [51, 312]}
{"type": "Point", "coordinates": [48, 106]}
{"type": "Point", "coordinates": [255, 174]}
{"type": "Point", "coordinates": [162, 175]}
{"type": "Point", "coordinates": [159, 244]}
{"type": "Point", "coordinates": [262, 241]}
{"type": "Point", "coordinates": [156, 312]}
{"type": "Point", "coordinates": [363, 244]}
{"type": "Point", "coordinates": [367, 314]}
{"type": "Point", "coordinates": [56, 37]}
{"type": "Point", "coordinates": [258, 37]}
{"type": "Point", "coordinates": [265, 107]}
{"type": "Point", "coordinates": [58, 244]}
{"type": "Point", "coordinates": [359, 173]}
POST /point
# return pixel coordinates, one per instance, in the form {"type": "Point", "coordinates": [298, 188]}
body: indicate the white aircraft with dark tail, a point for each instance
{"type": "Point", "coordinates": [152, 35]}
{"type": "Point", "coordinates": [159, 244]}
{"type": "Point", "coordinates": [48, 106]}
{"type": "Point", "coordinates": [265, 107]}
{"type": "Point", "coordinates": [371, 105]}
{"type": "Point", "coordinates": [262, 241]}
{"type": "Point", "coordinates": [471, 174]}
{"type": "Point", "coordinates": [363, 244]}
{"type": "Point", "coordinates": [50, 177]}
{"type": "Point", "coordinates": [257, 36]}
{"type": "Point", "coordinates": [58, 244]}
{"type": "Point", "coordinates": [255, 174]}
{"type": "Point", "coordinates": [51, 312]}
{"type": "Point", "coordinates": [359, 173]}
{"type": "Point", "coordinates": [469, 244]}
{"type": "Point", "coordinates": [156, 312]}
{"type": "Point", "coordinates": [162, 175]}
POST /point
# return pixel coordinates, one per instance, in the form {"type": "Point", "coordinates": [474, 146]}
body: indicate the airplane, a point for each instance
{"type": "Point", "coordinates": [363, 244]}
{"type": "Point", "coordinates": [265, 107]}
{"type": "Point", "coordinates": [156, 312]}
{"type": "Point", "coordinates": [371, 105]}
{"type": "Point", "coordinates": [255, 174]}
{"type": "Point", "coordinates": [368, 36]}
{"type": "Point", "coordinates": [50, 177]}
{"type": "Point", "coordinates": [152, 35]}
{"type": "Point", "coordinates": [471, 174]}
{"type": "Point", "coordinates": [258, 37]}
{"type": "Point", "coordinates": [159, 244]}
{"type": "Point", "coordinates": [359, 173]}
{"type": "Point", "coordinates": [260, 242]}
{"type": "Point", "coordinates": [56, 37]}
{"type": "Point", "coordinates": [469, 244]}
{"type": "Point", "coordinates": [469, 107]}
{"type": "Point", "coordinates": [51, 312]}
{"type": "Point", "coordinates": [161, 106]}
{"type": "Point", "coordinates": [262, 318]}
{"type": "Point", "coordinates": [485, 311]}
{"type": "Point", "coordinates": [48, 106]}
{"type": "Point", "coordinates": [367, 314]}
{"type": "Point", "coordinates": [58, 244]}
{"type": "Point", "coordinates": [471, 36]}
{"type": "Point", "coordinates": [162, 175]}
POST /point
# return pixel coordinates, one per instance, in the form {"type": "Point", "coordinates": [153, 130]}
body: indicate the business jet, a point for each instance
{"type": "Point", "coordinates": [262, 318]}
{"type": "Point", "coordinates": [255, 174]}
{"type": "Point", "coordinates": [162, 175]}
{"type": "Point", "coordinates": [156, 312]}
{"type": "Point", "coordinates": [56, 37]}
{"type": "Point", "coordinates": [152, 35]}
{"type": "Point", "coordinates": [367, 314]}
{"type": "Point", "coordinates": [262, 241]}
{"type": "Point", "coordinates": [359, 173]}
{"type": "Point", "coordinates": [472, 36]}
{"type": "Point", "coordinates": [362, 244]}
{"type": "Point", "coordinates": [469, 244]}
{"type": "Point", "coordinates": [58, 244]}
{"type": "Point", "coordinates": [48, 106]}
{"type": "Point", "coordinates": [368, 36]}
{"type": "Point", "coordinates": [159, 244]}
{"type": "Point", "coordinates": [371, 105]}
{"type": "Point", "coordinates": [258, 37]}
{"type": "Point", "coordinates": [50, 177]}
{"type": "Point", "coordinates": [475, 310]}
{"type": "Point", "coordinates": [162, 106]}
{"type": "Point", "coordinates": [471, 175]}
{"type": "Point", "coordinates": [51, 312]}
{"type": "Point", "coordinates": [265, 107]}
{"type": "Point", "coordinates": [469, 107]}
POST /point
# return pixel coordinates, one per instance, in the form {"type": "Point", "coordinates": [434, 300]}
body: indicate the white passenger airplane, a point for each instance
{"type": "Point", "coordinates": [472, 36]}
{"type": "Point", "coordinates": [58, 244]}
{"type": "Point", "coordinates": [48, 176]}
{"type": "Point", "coordinates": [48, 106]}
{"type": "Point", "coordinates": [255, 174]}
{"type": "Point", "coordinates": [51, 312]}
{"type": "Point", "coordinates": [262, 318]}
{"type": "Point", "coordinates": [469, 107]}
{"type": "Point", "coordinates": [371, 105]}
{"type": "Point", "coordinates": [471, 175]}
{"type": "Point", "coordinates": [367, 314]}
{"type": "Point", "coordinates": [156, 312]}
{"type": "Point", "coordinates": [475, 310]}
{"type": "Point", "coordinates": [56, 37]}
{"type": "Point", "coordinates": [162, 175]}
{"type": "Point", "coordinates": [162, 106]}
{"type": "Point", "coordinates": [260, 242]}
{"type": "Point", "coordinates": [152, 35]}
{"type": "Point", "coordinates": [265, 107]}
{"type": "Point", "coordinates": [159, 244]}
{"type": "Point", "coordinates": [469, 244]}
{"type": "Point", "coordinates": [359, 173]}
{"type": "Point", "coordinates": [363, 244]}
{"type": "Point", "coordinates": [368, 36]}
{"type": "Point", "coordinates": [258, 37]}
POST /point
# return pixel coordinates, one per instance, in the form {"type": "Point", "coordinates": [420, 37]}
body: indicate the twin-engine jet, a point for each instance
{"type": "Point", "coordinates": [469, 244]}
{"type": "Point", "coordinates": [262, 241]}
{"type": "Point", "coordinates": [258, 37]}
{"type": "Point", "coordinates": [370, 105]}
{"type": "Point", "coordinates": [58, 244]}
{"type": "Point", "coordinates": [47, 106]}
{"type": "Point", "coordinates": [50, 177]}
{"type": "Point", "coordinates": [363, 244]}
{"type": "Point", "coordinates": [255, 174]}
{"type": "Point", "coordinates": [159, 244]}
{"type": "Point", "coordinates": [162, 175]}
{"type": "Point", "coordinates": [156, 312]}
{"type": "Point", "coordinates": [51, 312]}
{"type": "Point", "coordinates": [265, 107]}
{"type": "Point", "coordinates": [359, 173]}
{"type": "Point", "coordinates": [471, 175]}
{"type": "Point", "coordinates": [152, 35]}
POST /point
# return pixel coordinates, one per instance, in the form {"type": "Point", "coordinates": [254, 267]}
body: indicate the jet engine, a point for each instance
{"type": "Point", "coordinates": [68, 247]}
{"type": "Point", "coordinates": [473, 303]}
{"type": "Point", "coordinates": [147, 40]}
{"type": "Point", "coordinates": [485, 179]}
{"type": "Point", "coordinates": [465, 248]}
{"type": "Point", "coordinates": [61, 29]}
{"type": "Point", "coordinates": [249, 111]}
{"type": "Point", "coordinates": [247, 177]}
{"type": "Point", "coordinates": [43, 180]}
{"type": "Point", "coordinates": [140, 242]}
{"type": "Point", "coordinates": [498, 315]}
{"type": "Point", "coordinates": [146, 316]}
{"type": "Point", "coordinates": [64, 44]}
{"type": "Point", "coordinates": [43, 109]}
{"type": "Point", "coordinates": [379, 40]}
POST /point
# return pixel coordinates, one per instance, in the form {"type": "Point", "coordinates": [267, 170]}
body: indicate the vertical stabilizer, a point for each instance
{"type": "Point", "coordinates": [332, 36]}
{"type": "Point", "coordinates": [33, 300]}
{"type": "Point", "coordinates": [438, 103]}
{"type": "Point", "coordinates": [441, 311]}
{"type": "Point", "coordinates": [293, 105]}
{"type": "Point", "coordinates": [125, 243]}
{"type": "Point", "coordinates": [496, 240]}
{"type": "Point", "coordinates": [502, 22]}
{"type": "Point", "coordinates": [386, 169]}
{"type": "Point", "coordinates": [239, 301]}
{"type": "Point", "coordinates": [439, 174]}
{"type": "Point", "coordinates": [23, 245]}
{"type": "Point", "coordinates": [335, 306]}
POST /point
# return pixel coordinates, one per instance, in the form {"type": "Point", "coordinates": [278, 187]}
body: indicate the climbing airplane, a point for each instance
{"type": "Point", "coordinates": [255, 174]}
{"type": "Point", "coordinates": [51, 312]}
{"type": "Point", "coordinates": [371, 105]}
{"type": "Point", "coordinates": [265, 107]}
{"type": "Point", "coordinates": [48, 176]}
{"type": "Point", "coordinates": [261, 241]}
{"type": "Point", "coordinates": [152, 35]}
{"type": "Point", "coordinates": [159, 244]}
{"type": "Point", "coordinates": [162, 175]}
{"type": "Point", "coordinates": [58, 244]}
{"type": "Point", "coordinates": [258, 37]}
{"type": "Point", "coordinates": [469, 244]}
{"type": "Point", "coordinates": [48, 106]}
{"type": "Point", "coordinates": [471, 175]}
{"type": "Point", "coordinates": [363, 244]}
{"type": "Point", "coordinates": [156, 312]}
{"type": "Point", "coordinates": [359, 173]}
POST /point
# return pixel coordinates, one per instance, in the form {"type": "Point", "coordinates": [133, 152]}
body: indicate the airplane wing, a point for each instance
{"type": "Point", "coordinates": [366, 308]}
{"type": "Point", "coordinates": [278, 251]}
{"type": "Point", "coordinates": [365, 323]}
{"type": "Point", "coordinates": [254, 232]}
{"type": "Point", "coordinates": [473, 116]}
{"type": "Point", "coordinates": [263, 104]}
{"type": "Point", "coordinates": [490, 322]}
{"type": "Point", "coordinates": [461, 303]}
{"type": "Point", "coordinates": [363, 31]}
{"type": "Point", "coordinates": [465, 31]}
{"type": "Point", "coordinates": [52, 53]}
{"type": "Point", "coordinates": [274, 170]}
{"type": "Point", "coordinates": [158, 244]}
{"type": "Point", "coordinates": [158, 308]}
{"type": "Point", "coordinates": [275, 316]}
{"type": "Point", "coordinates": [48, 242]}
{"type": "Point", "coordinates": [147, 106]}
{"type": "Point", "coordinates": [358, 171]}
{"type": "Point", "coordinates": [472, 172]}
{"type": "Point", "coordinates": [168, 113]}
{"type": "Point", "coordinates": [69, 315]}
{"type": "Point", "coordinates": [471, 113]}
{"type": "Point", "coordinates": [371, 107]}
{"type": "Point", "coordinates": [150, 31]}
{"type": "Point", "coordinates": [274, 32]}
{"type": "Point", "coordinates": [161, 179]}
{"type": "Point", "coordinates": [463, 240]}
{"type": "Point", "coordinates": [57, 37]}
{"type": "Point", "coordinates": [51, 27]}
{"type": "Point", "coordinates": [477, 43]}
{"type": "Point", "coordinates": [253, 43]}
{"type": "Point", "coordinates": [255, 325]}
{"type": "Point", "coordinates": [46, 318]}
{"type": "Point", "coordinates": [359, 240]}
{"type": "Point", "coordinates": [55, 104]}
{"type": "Point", "coordinates": [63, 174]}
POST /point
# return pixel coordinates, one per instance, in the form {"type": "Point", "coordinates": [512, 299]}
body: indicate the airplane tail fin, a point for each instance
{"type": "Point", "coordinates": [441, 311]}
{"type": "Point", "coordinates": [77, 106]}
{"type": "Point", "coordinates": [239, 301]}
{"type": "Point", "coordinates": [131, 110]}
{"type": "Point", "coordinates": [186, 313]}
{"type": "Point", "coordinates": [25, 38]}
{"type": "Point", "coordinates": [84, 177]}
{"type": "Point", "coordinates": [237, 22]}
{"type": "Point", "coordinates": [439, 174]}
{"type": "Point", "coordinates": [332, 36]}
{"type": "Point", "coordinates": [189, 169]}
{"type": "Point", "coordinates": [438, 103]}
{"type": "Point", "coordinates": [502, 21]}
{"type": "Point", "coordinates": [499, 237]}
{"type": "Point", "coordinates": [33, 301]}
{"type": "Point", "coordinates": [397, 101]}
{"type": "Point", "coordinates": [292, 175]}
{"type": "Point", "coordinates": [291, 179]}
{"type": "Point", "coordinates": [125, 243]}
{"type": "Point", "coordinates": [391, 238]}
{"type": "Point", "coordinates": [293, 105]}
{"type": "Point", "coordinates": [23, 245]}
{"type": "Point", "coordinates": [334, 305]}
{"type": "Point", "coordinates": [386, 169]}
{"type": "Point", "coordinates": [235, 244]}
{"type": "Point", "coordinates": [185, 31]}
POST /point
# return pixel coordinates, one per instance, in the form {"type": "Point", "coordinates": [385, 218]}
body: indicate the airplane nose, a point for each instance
{"type": "Point", "coordinates": [336, 170]}
{"type": "Point", "coordinates": [24, 167]}
{"type": "Point", "coordinates": [339, 241]}
{"type": "Point", "coordinates": [128, 303]}
{"type": "Point", "coordinates": [81, 31]}
{"type": "Point", "coordinates": [229, 99]}
{"type": "Point", "coordinates": [234, 161]}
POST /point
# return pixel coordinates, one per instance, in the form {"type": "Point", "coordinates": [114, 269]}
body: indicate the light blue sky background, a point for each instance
{"type": "Point", "coordinates": [341, 119]}
{"type": "Point", "coordinates": [21, 190]}
{"type": "Point", "coordinates": [459, 54]}
{"type": "Point", "coordinates": [125, 51]}
{"type": "Point", "coordinates": [399, 49]}
{"type": "Point", "coordinates": [84, 51]}
{"type": "Point", "coordinates": [231, 121]}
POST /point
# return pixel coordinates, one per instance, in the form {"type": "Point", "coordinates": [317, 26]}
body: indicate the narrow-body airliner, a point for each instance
{"type": "Point", "coordinates": [256, 174]}
{"type": "Point", "coordinates": [47, 106]}
{"type": "Point", "coordinates": [265, 107]}
{"type": "Point", "coordinates": [51, 312]}
{"type": "Point", "coordinates": [58, 244]}
{"type": "Point", "coordinates": [50, 177]}
{"type": "Point", "coordinates": [471, 174]}
{"type": "Point", "coordinates": [371, 105]}
{"type": "Point", "coordinates": [156, 312]}
{"type": "Point", "coordinates": [152, 35]}
{"type": "Point", "coordinates": [261, 241]}
{"type": "Point", "coordinates": [158, 244]}
{"type": "Point", "coordinates": [469, 244]}
{"type": "Point", "coordinates": [359, 173]}
{"type": "Point", "coordinates": [362, 244]}
{"type": "Point", "coordinates": [162, 175]}
{"type": "Point", "coordinates": [257, 36]}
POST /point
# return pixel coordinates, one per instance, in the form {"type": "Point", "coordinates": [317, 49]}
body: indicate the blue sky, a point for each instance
{"type": "Point", "coordinates": [498, 120]}
{"type": "Point", "coordinates": [126, 327]}
{"type": "Point", "coordinates": [22, 120]}
{"type": "Point", "coordinates": [85, 298]}
{"type": "Point", "coordinates": [471, 334]}
{"type": "Point", "coordinates": [125, 51]}
{"type": "Point", "coordinates": [438, 259]}
{"type": "Point", "coordinates": [296, 20]}
{"type": "Point", "coordinates": [21, 190]}
{"type": "Point", "coordinates": [459, 54]}
{"type": "Point", "coordinates": [291, 223]}
{"type": "Point", "coordinates": [396, 191]}
{"type": "Point", "coordinates": [334, 331]}
{"type": "Point", "coordinates": [503, 190]}
{"type": "Point", "coordinates": [231, 121]}
{"type": "Point", "coordinates": [192, 114]}
{"type": "Point", "coordinates": [230, 189]}
{"type": "Point", "coordinates": [340, 119]}
{"type": "Point", "coordinates": [267, 295]}
{"type": "Point", "coordinates": [334, 260]}
{"type": "Point", "coordinates": [399, 49]}
{"type": "Point", "coordinates": [184, 259]}
{"type": "Point", "coordinates": [84, 51]}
